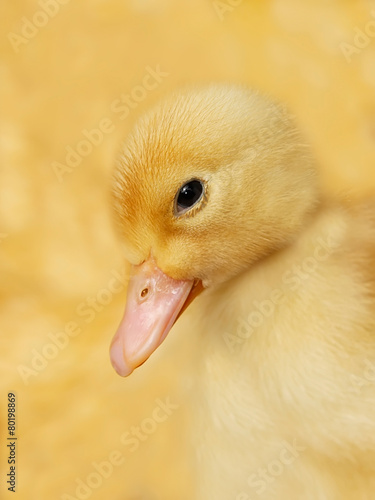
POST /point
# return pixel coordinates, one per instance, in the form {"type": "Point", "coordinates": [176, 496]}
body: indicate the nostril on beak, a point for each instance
{"type": "Point", "coordinates": [144, 293]}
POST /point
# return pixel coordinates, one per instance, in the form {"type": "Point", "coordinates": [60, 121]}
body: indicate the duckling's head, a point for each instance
{"type": "Point", "coordinates": [211, 181]}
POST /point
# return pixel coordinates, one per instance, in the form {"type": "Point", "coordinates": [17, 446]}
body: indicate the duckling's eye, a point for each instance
{"type": "Point", "coordinates": [188, 196]}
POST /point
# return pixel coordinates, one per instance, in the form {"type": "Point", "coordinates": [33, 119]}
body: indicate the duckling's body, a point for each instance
{"type": "Point", "coordinates": [285, 390]}
{"type": "Point", "coordinates": [287, 382]}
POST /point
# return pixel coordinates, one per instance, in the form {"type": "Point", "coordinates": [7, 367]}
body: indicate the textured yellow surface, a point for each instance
{"type": "Point", "coordinates": [64, 69]}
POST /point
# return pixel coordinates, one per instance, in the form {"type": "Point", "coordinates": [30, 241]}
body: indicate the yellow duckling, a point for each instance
{"type": "Point", "coordinates": [216, 191]}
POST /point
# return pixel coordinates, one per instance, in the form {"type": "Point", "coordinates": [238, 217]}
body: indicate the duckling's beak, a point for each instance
{"type": "Point", "coordinates": [154, 302]}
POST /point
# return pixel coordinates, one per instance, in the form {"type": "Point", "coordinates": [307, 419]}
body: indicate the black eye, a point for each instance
{"type": "Point", "coordinates": [188, 195]}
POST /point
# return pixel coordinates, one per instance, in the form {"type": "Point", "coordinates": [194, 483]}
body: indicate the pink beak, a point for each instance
{"type": "Point", "coordinates": [153, 303]}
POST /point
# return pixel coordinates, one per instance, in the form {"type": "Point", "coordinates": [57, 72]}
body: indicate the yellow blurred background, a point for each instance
{"type": "Point", "coordinates": [74, 75]}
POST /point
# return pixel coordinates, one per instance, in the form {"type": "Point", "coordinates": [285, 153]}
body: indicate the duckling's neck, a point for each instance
{"type": "Point", "coordinates": [243, 308]}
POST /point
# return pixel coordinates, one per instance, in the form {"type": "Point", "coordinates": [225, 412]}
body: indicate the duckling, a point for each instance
{"type": "Point", "coordinates": [218, 199]}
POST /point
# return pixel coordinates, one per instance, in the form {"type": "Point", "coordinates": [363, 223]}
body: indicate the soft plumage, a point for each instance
{"type": "Point", "coordinates": [286, 384]}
